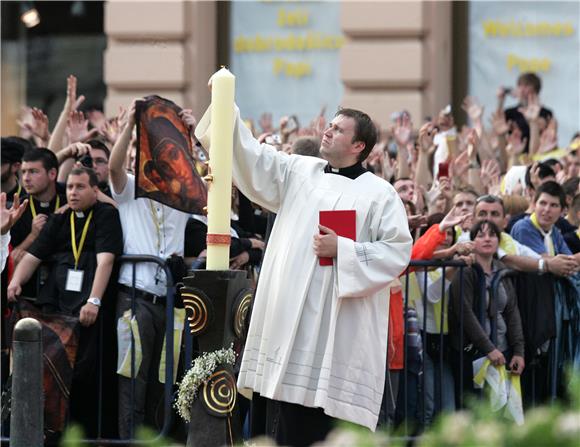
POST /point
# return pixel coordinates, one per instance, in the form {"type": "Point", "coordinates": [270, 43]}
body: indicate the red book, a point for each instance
{"type": "Point", "coordinates": [343, 222]}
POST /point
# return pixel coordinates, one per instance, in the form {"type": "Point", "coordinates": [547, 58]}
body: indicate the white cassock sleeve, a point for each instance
{"type": "Point", "coordinates": [364, 268]}
{"type": "Point", "coordinates": [259, 170]}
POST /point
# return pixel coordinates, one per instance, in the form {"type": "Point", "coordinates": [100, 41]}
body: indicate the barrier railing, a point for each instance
{"type": "Point", "coordinates": [169, 361]}
{"type": "Point", "coordinates": [424, 267]}
{"type": "Point", "coordinates": [421, 416]}
{"type": "Point", "coordinates": [414, 414]}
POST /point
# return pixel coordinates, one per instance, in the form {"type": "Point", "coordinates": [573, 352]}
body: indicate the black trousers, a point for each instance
{"type": "Point", "coordinates": [289, 424]}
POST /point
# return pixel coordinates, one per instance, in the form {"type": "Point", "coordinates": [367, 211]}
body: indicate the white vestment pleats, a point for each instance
{"type": "Point", "coordinates": [318, 335]}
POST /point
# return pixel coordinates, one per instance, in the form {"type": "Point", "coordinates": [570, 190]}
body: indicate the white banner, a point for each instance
{"type": "Point", "coordinates": [285, 56]}
{"type": "Point", "coordinates": [510, 38]}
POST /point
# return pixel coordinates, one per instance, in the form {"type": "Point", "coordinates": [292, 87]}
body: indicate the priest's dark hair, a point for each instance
{"type": "Point", "coordinates": [46, 156]}
{"type": "Point", "coordinates": [80, 170]}
{"type": "Point", "coordinates": [364, 130]}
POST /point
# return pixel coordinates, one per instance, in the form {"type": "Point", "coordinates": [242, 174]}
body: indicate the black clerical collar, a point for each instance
{"type": "Point", "coordinates": [351, 172]}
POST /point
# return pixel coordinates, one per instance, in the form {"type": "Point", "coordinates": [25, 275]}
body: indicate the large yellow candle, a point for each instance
{"type": "Point", "coordinates": [220, 164]}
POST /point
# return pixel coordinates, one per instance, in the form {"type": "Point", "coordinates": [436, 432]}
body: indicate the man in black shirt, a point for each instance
{"type": "Point", "coordinates": [82, 242]}
{"type": "Point", "coordinates": [39, 172]}
{"type": "Point", "coordinates": [528, 86]}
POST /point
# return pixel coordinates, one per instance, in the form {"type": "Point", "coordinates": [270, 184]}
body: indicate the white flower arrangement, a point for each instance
{"type": "Point", "coordinates": [199, 373]}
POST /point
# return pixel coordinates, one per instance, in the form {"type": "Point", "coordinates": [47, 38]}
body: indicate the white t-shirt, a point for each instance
{"type": "Point", "coordinates": [149, 228]}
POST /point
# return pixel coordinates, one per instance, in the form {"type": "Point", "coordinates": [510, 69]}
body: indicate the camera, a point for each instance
{"type": "Point", "coordinates": [86, 160]}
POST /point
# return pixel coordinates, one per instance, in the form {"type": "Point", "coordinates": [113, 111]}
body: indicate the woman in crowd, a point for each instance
{"type": "Point", "coordinates": [508, 347]}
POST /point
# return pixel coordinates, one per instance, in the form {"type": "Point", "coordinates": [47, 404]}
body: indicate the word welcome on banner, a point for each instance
{"type": "Point", "coordinates": [510, 38]}
{"type": "Point", "coordinates": [285, 56]}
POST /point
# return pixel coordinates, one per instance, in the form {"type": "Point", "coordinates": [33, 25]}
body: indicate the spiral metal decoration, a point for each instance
{"type": "Point", "coordinates": [219, 394]}
{"type": "Point", "coordinates": [241, 308]}
{"type": "Point", "coordinates": [199, 310]}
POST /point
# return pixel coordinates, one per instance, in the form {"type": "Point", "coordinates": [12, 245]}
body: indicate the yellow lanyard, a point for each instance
{"type": "Point", "coordinates": [19, 190]}
{"type": "Point", "coordinates": [33, 207]}
{"type": "Point", "coordinates": [77, 252]}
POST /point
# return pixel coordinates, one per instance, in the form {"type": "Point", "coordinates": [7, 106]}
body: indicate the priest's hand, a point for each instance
{"type": "Point", "coordinates": [88, 315]}
{"type": "Point", "coordinates": [325, 244]}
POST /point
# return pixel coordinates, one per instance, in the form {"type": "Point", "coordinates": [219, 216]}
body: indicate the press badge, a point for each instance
{"type": "Point", "coordinates": [74, 280]}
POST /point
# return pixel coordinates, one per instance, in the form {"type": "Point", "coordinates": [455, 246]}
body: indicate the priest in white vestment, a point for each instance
{"type": "Point", "coordinates": [318, 334]}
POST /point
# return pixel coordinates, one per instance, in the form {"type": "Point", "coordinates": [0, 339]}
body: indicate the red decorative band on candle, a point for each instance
{"type": "Point", "coordinates": [218, 239]}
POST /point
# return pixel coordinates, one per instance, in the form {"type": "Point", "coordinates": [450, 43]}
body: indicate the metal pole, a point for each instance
{"type": "Point", "coordinates": [26, 420]}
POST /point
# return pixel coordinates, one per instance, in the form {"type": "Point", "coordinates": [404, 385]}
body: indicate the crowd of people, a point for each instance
{"type": "Point", "coordinates": [499, 196]}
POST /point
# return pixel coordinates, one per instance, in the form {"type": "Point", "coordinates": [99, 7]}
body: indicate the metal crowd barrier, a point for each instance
{"type": "Point", "coordinates": [168, 386]}
{"type": "Point", "coordinates": [425, 266]}
{"type": "Point", "coordinates": [189, 348]}
{"type": "Point", "coordinates": [410, 424]}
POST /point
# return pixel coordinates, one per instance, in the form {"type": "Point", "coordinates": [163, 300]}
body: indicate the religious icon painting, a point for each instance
{"type": "Point", "coordinates": [164, 166]}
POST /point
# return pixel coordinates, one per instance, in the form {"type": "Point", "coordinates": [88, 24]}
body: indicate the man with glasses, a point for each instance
{"type": "Point", "coordinates": [93, 154]}
{"type": "Point", "coordinates": [100, 155]}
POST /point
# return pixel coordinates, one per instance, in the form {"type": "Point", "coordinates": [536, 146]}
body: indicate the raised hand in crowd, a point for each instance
{"type": "Point", "coordinates": [402, 132]}
{"type": "Point", "coordinates": [490, 175]}
{"type": "Point", "coordinates": [78, 128]}
{"type": "Point", "coordinates": [388, 165]}
{"type": "Point", "coordinates": [532, 109]}
{"type": "Point", "coordinates": [474, 111]}
{"type": "Point", "coordinates": [112, 127]}
{"type": "Point", "coordinates": [419, 198]}
{"type": "Point", "coordinates": [458, 168]}
{"type": "Point", "coordinates": [9, 216]}
{"type": "Point", "coordinates": [531, 113]}
{"type": "Point", "coordinates": [96, 118]}
{"type": "Point", "coordinates": [319, 124]}
{"type": "Point", "coordinates": [452, 218]}
{"type": "Point", "coordinates": [501, 94]}
{"type": "Point", "coordinates": [265, 123]}
{"type": "Point", "coordinates": [439, 196]}
{"type": "Point", "coordinates": [499, 124]}
{"type": "Point", "coordinates": [426, 135]}
{"type": "Point", "coordinates": [515, 145]}
{"type": "Point", "coordinates": [36, 125]}
{"type": "Point", "coordinates": [549, 137]}
{"type": "Point", "coordinates": [71, 104]}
